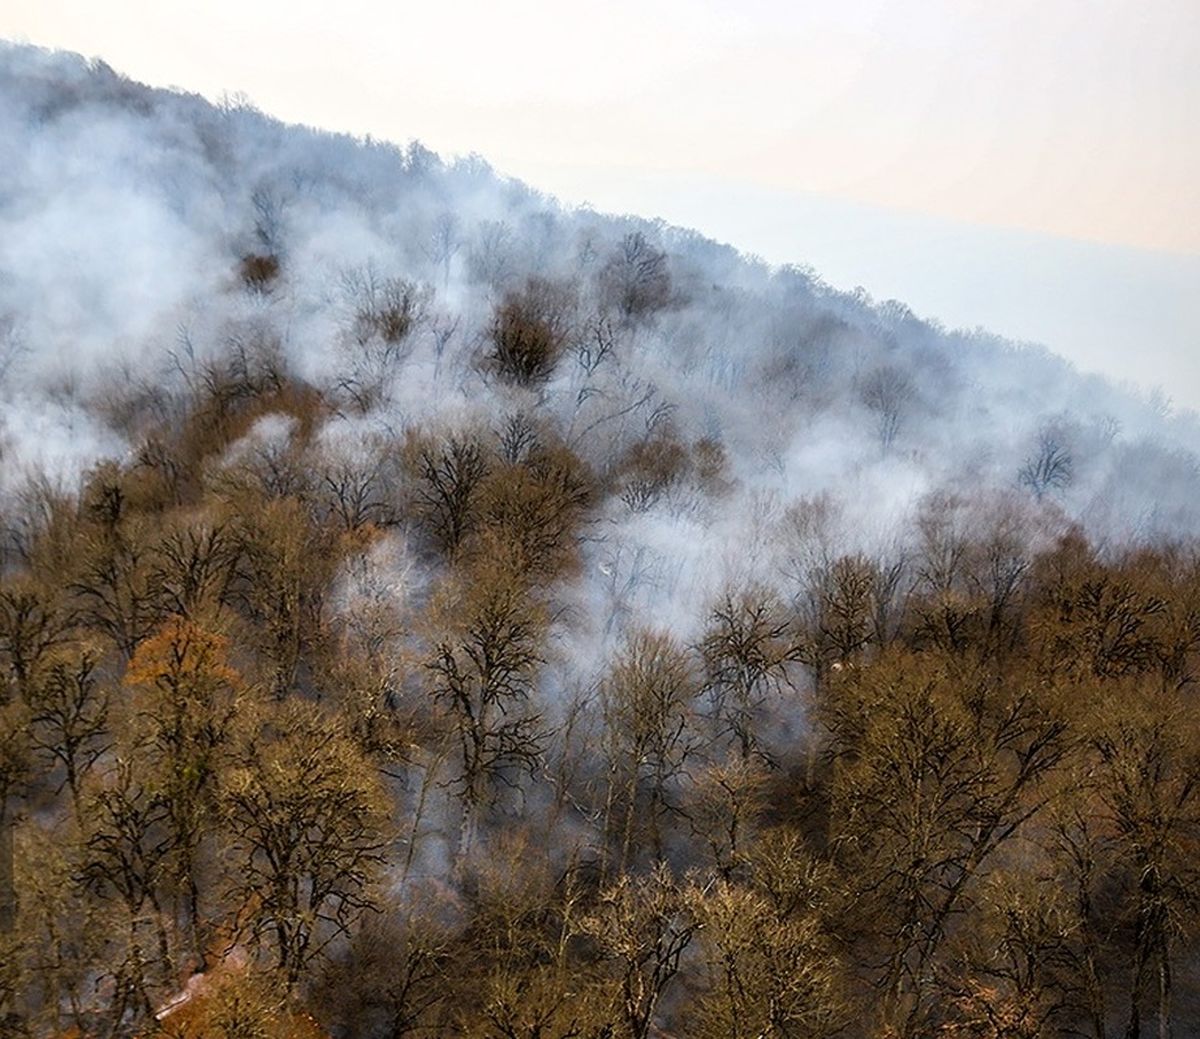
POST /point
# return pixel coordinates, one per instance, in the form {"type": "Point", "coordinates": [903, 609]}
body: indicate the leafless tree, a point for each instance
{"type": "Point", "coordinates": [306, 818]}
{"type": "Point", "coordinates": [647, 702]}
{"type": "Point", "coordinates": [385, 307]}
{"type": "Point", "coordinates": [442, 327]}
{"type": "Point", "coordinates": [384, 315]}
{"type": "Point", "coordinates": [351, 484]}
{"type": "Point", "coordinates": [69, 720]}
{"type": "Point", "coordinates": [490, 259]}
{"type": "Point", "coordinates": [746, 650]}
{"type": "Point", "coordinates": [126, 857]}
{"type": "Point", "coordinates": [451, 478]}
{"type": "Point", "coordinates": [643, 926]}
{"type": "Point", "coordinates": [595, 345]}
{"type": "Point", "coordinates": [636, 277]}
{"type": "Point", "coordinates": [887, 393]}
{"type": "Point", "coordinates": [482, 672]}
{"type": "Point", "coordinates": [12, 347]}
{"type": "Point", "coordinates": [270, 205]}
{"type": "Point", "coordinates": [1051, 466]}
{"type": "Point", "coordinates": [392, 977]}
{"type": "Point", "coordinates": [32, 623]}
{"type": "Point", "coordinates": [444, 244]}
{"type": "Point", "coordinates": [194, 567]}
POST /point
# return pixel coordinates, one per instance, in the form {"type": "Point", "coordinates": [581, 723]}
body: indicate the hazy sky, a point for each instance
{"type": "Point", "coordinates": [850, 134]}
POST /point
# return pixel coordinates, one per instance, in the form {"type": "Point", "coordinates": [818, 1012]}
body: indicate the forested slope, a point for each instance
{"type": "Point", "coordinates": [425, 610]}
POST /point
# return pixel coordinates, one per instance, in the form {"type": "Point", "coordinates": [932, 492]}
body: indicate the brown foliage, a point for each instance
{"type": "Point", "coordinates": [234, 1002]}
{"type": "Point", "coordinates": [307, 823]}
{"type": "Point", "coordinates": [650, 468]}
{"type": "Point", "coordinates": [530, 330]}
{"type": "Point", "coordinates": [951, 788]}
{"type": "Point", "coordinates": [258, 271]}
{"type": "Point", "coordinates": [536, 505]}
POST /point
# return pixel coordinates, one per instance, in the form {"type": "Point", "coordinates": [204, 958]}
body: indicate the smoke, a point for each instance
{"type": "Point", "coordinates": [128, 215]}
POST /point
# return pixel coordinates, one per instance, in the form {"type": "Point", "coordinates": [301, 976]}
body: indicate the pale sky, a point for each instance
{"type": "Point", "coordinates": [1078, 119]}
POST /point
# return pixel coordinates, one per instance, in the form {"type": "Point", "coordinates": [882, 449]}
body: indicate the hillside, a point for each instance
{"type": "Point", "coordinates": [429, 610]}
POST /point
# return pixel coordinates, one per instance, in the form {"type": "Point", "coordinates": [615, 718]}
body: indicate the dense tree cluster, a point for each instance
{"type": "Point", "coordinates": [955, 792]}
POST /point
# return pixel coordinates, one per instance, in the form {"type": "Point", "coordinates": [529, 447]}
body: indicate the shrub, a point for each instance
{"type": "Point", "coordinates": [258, 271]}
{"type": "Point", "coordinates": [529, 332]}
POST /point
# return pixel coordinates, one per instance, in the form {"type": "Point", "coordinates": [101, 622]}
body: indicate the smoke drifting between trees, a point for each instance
{"type": "Point", "coordinates": [427, 611]}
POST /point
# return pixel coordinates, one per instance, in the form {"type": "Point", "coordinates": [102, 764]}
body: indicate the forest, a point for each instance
{"type": "Point", "coordinates": [426, 610]}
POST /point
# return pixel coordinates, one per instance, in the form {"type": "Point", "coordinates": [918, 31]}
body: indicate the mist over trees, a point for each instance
{"type": "Point", "coordinates": [427, 610]}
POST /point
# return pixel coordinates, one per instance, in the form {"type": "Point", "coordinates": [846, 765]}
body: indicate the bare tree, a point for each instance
{"type": "Point", "coordinates": [451, 478]}
{"type": "Point", "coordinates": [596, 344]}
{"type": "Point", "coordinates": [126, 857]}
{"type": "Point", "coordinates": [352, 483]}
{"type": "Point", "coordinates": [384, 315]}
{"type": "Point", "coordinates": [838, 614]}
{"type": "Point", "coordinates": [31, 625]}
{"type": "Point", "coordinates": [116, 587]}
{"type": "Point", "coordinates": [766, 972]}
{"type": "Point", "coordinates": [650, 468]}
{"type": "Point", "coordinates": [643, 926]}
{"type": "Point", "coordinates": [647, 701]}
{"type": "Point", "coordinates": [490, 259]}
{"type": "Point", "coordinates": [933, 775]}
{"type": "Point", "coordinates": [887, 393]}
{"type": "Point", "coordinates": [482, 672]}
{"type": "Point", "coordinates": [391, 979]}
{"type": "Point", "coordinates": [636, 277]}
{"type": "Point", "coordinates": [306, 818]}
{"type": "Point", "coordinates": [69, 719]}
{"type": "Point", "coordinates": [270, 205]}
{"type": "Point", "coordinates": [194, 566]}
{"type": "Point", "coordinates": [1051, 466]}
{"type": "Point", "coordinates": [13, 347]}
{"type": "Point", "coordinates": [442, 327]}
{"type": "Point", "coordinates": [746, 649]}
{"type": "Point", "coordinates": [387, 307]}
{"type": "Point", "coordinates": [444, 244]}
{"type": "Point", "coordinates": [284, 564]}
{"type": "Point", "coordinates": [1148, 781]}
